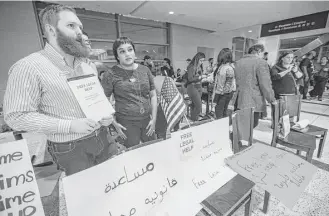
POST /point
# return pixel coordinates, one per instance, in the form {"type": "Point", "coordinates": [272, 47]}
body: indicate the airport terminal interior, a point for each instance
{"type": "Point", "coordinates": [228, 99]}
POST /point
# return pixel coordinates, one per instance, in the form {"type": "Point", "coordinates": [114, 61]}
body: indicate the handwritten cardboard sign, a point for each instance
{"type": "Point", "coordinates": [281, 173]}
{"type": "Point", "coordinates": [159, 179]}
{"type": "Point", "coordinates": [19, 194]}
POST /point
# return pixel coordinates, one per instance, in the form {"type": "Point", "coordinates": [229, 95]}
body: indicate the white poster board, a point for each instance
{"type": "Point", "coordinates": [281, 173]}
{"type": "Point", "coordinates": [91, 97]}
{"type": "Point", "coordinates": [159, 179]}
{"type": "Point", "coordinates": [19, 193]}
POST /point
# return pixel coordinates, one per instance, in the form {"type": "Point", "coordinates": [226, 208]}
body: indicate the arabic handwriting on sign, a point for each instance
{"type": "Point", "coordinates": [210, 143]}
{"type": "Point", "coordinates": [162, 193]}
{"type": "Point", "coordinates": [132, 212]}
{"type": "Point", "coordinates": [173, 182]}
{"type": "Point", "coordinates": [124, 179]}
{"type": "Point", "coordinates": [152, 200]}
{"type": "Point", "coordinates": [295, 179]}
{"type": "Point", "coordinates": [295, 167]}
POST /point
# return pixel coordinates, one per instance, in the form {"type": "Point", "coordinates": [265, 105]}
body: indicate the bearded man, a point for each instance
{"type": "Point", "coordinates": [38, 97]}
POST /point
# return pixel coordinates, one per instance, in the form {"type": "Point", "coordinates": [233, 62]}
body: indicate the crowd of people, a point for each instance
{"type": "Point", "coordinates": [38, 97]}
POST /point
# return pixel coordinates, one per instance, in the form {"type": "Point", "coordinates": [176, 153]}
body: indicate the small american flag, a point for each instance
{"type": "Point", "coordinates": [172, 103]}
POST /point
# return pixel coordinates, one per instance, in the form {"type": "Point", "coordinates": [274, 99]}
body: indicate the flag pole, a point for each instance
{"type": "Point", "coordinates": [188, 122]}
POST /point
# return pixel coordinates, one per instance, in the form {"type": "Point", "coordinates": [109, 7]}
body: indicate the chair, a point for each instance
{"type": "Point", "coordinates": [294, 140]}
{"type": "Point", "coordinates": [243, 126]}
{"type": "Point", "coordinates": [231, 196]}
{"type": "Point", "coordinates": [293, 107]}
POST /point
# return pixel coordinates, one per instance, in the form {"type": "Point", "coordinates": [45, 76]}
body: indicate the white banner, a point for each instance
{"type": "Point", "coordinates": [19, 193]}
{"type": "Point", "coordinates": [165, 178]}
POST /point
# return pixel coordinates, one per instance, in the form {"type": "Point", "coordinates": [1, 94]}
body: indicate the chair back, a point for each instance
{"type": "Point", "coordinates": [292, 104]}
{"type": "Point", "coordinates": [243, 125]}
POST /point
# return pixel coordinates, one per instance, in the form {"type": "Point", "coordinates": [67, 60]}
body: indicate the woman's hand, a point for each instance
{"type": "Point", "coordinates": [119, 128]}
{"type": "Point", "coordinates": [150, 127]}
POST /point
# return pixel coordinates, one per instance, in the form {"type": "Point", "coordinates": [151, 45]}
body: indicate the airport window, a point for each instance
{"type": "Point", "coordinates": [150, 37]}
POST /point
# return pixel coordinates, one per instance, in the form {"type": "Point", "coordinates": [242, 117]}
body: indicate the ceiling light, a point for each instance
{"type": "Point", "coordinates": [171, 12]}
{"type": "Point", "coordinates": [249, 31]}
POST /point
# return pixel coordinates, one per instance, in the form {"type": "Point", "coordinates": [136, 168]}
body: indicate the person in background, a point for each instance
{"type": "Point", "coordinates": [211, 66]}
{"type": "Point", "coordinates": [283, 80]}
{"type": "Point", "coordinates": [321, 78]}
{"type": "Point", "coordinates": [194, 88]}
{"type": "Point", "coordinates": [135, 97]}
{"type": "Point", "coordinates": [253, 82]}
{"type": "Point", "coordinates": [181, 81]}
{"type": "Point", "coordinates": [167, 69]}
{"type": "Point", "coordinates": [188, 61]}
{"type": "Point", "coordinates": [264, 114]}
{"type": "Point", "coordinates": [149, 63]}
{"type": "Point", "coordinates": [265, 57]}
{"type": "Point", "coordinates": [224, 85]}
{"type": "Point", "coordinates": [39, 99]}
{"type": "Point", "coordinates": [306, 66]}
{"type": "Point", "coordinates": [85, 39]}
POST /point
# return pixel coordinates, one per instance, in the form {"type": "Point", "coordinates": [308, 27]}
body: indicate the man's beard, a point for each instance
{"type": "Point", "coordinates": [72, 46]}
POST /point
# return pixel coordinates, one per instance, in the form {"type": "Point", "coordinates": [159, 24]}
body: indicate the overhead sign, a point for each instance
{"type": "Point", "coordinates": [279, 172]}
{"type": "Point", "coordinates": [297, 24]}
{"type": "Point", "coordinates": [170, 178]}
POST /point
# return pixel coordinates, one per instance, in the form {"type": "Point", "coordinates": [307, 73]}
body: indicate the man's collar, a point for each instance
{"type": "Point", "coordinates": [50, 50]}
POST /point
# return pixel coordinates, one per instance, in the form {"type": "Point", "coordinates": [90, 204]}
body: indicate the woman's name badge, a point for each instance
{"type": "Point", "coordinates": [132, 80]}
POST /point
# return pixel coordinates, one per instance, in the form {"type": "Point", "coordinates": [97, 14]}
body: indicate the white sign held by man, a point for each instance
{"type": "Point", "coordinates": [90, 95]}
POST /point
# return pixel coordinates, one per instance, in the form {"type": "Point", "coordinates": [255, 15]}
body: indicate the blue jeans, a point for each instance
{"type": "Point", "coordinates": [83, 153]}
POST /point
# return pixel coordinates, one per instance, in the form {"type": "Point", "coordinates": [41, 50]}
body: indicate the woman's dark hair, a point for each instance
{"type": "Point", "coordinates": [282, 55]}
{"type": "Point", "coordinates": [224, 56]}
{"type": "Point", "coordinates": [118, 42]}
{"type": "Point", "coordinates": [168, 61]}
{"type": "Point", "coordinates": [195, 60]}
